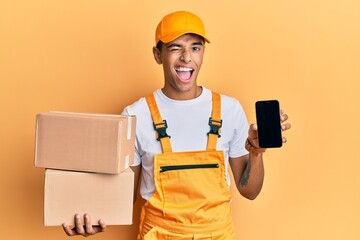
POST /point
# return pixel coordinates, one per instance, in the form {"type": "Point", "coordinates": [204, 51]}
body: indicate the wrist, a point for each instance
{"type": "Point", "coordinates": [252, 149]}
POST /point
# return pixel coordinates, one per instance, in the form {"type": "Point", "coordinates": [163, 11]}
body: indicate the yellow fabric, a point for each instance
{"type": "Point", "coordinates": [155, 114]}
{"type": "Point", "coordinates": [191, 202]}
{"type": "Point", "coordinates": [179, 23]}
{"type": "Point", "coordinates": [216, 116]}
{"type": "Point", "coordinates": [216, 106]}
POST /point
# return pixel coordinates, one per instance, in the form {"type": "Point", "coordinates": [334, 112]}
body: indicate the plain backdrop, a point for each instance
{"type": "Point", "coordinates": [95, 56]}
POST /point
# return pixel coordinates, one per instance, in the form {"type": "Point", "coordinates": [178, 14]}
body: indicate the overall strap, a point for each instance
{"type": "Point", "coordinates": [159, 124]}
{"type": "Point", "coordinates": [215, 122]}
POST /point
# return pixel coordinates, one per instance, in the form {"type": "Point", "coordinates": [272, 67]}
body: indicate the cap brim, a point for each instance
{"type": "Point", "coordinates": [171, 37]}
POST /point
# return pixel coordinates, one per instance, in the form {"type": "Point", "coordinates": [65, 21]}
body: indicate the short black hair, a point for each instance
{"type": "Point", "coordinates": [159, 45]}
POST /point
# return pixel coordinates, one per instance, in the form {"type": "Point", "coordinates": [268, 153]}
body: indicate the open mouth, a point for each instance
{"type": "Point", "coordinates": [184, 73]}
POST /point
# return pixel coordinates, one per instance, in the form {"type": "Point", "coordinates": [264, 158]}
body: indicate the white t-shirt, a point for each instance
{"type": "Point", "coordinates": [188, 127]}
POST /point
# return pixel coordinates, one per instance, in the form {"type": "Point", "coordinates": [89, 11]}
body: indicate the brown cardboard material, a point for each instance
{"type": "Point", "coordinates": [101, 143]}
{"type": "Point", "coordinates": [103, 196]}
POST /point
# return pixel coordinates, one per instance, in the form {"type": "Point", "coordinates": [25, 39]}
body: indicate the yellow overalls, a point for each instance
{"type": "Point", "coordinates": [191, 198]}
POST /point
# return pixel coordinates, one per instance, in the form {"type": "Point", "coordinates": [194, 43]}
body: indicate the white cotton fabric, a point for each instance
{"type": "Point", "coordinates": [188, 127]}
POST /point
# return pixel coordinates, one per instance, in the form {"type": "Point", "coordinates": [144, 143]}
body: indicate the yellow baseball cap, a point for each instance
{"type": "Point", "coordinates": [179, 23]}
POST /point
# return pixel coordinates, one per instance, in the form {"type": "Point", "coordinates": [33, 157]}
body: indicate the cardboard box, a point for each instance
{"type": "Point", "coordinates": [85, 142]}
{"type": "Point", "coordinates": [103, 196]}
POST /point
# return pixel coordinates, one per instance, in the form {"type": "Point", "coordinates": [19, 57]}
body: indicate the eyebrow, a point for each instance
{"type": "Point", "coordinates": [173, 45]}
{"type": "Point", "coordinates": [179, 45]}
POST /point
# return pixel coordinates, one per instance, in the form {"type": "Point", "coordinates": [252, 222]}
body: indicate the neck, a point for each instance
{"type": "Point", "coordinates": [188, 95]}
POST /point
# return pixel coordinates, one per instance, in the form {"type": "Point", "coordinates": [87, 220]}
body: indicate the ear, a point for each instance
{"type": "Point", "coordinates": [157, 55]}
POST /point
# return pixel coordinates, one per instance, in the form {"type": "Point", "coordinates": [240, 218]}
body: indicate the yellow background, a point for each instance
{"type": "Point", "coordinates": [95, 56]}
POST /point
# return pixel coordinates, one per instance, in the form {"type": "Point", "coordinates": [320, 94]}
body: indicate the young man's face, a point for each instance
{"type": "Point", "coordinates": [181, 60]}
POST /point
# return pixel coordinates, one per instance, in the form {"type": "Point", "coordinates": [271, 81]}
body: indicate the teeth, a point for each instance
{"type": "Point", "coordinates": [183, 69]}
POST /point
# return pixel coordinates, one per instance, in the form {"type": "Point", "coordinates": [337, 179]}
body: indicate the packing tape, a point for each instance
{"type": "Point", "coordinates": [129, 128]}
{"type": "Point", "coordinates": [127, 161]}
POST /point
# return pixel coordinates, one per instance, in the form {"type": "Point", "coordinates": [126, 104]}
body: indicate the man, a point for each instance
{"type": "Point", "coordinates": [186, 137]}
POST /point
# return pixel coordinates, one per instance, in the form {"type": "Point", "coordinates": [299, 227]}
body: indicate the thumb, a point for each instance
{"type": "Point", "coordinates": [253, 131]}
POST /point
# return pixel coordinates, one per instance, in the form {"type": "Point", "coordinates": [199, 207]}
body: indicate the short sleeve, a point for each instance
{"type": "Point", "coordinates": [241, 128]}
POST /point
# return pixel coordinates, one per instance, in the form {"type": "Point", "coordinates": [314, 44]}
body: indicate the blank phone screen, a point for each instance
{"type": "Point", "coordinates": [268, 121]}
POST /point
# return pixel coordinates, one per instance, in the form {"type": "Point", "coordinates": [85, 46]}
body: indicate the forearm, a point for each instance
{"type": "Point", "coordinates": [251, 181]}
{"type": "Point", "coordinates": [248, 170]}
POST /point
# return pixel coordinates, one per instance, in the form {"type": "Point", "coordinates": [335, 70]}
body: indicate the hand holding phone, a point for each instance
{"type": "Point", "coordinates": [268, 122]}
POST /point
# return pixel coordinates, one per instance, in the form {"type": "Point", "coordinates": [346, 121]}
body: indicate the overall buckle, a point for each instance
{"type": "Point", "coordinates": [215, 126]}
{"type": "Point", "coordinates": [160, 128]}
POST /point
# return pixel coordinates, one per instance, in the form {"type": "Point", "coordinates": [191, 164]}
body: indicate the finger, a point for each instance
{"type": "Point", "coordinates": [283, 117]}
{"type": "Point", "coordinates": [286, 126]}
{"type": "Point", "coordinates": [78, 225]}
{"type": "Point", "coordinates": [253, 131]}
{"type": "Point", "coordinates": [102, 226]}
{"type": "Point", "coordinates": [284, 140]}
{"type": "Point", "coordinates": [68, 230]}
{"type": "Point", "coordinates": [96, 229]}
{"type": "Point", "coordinates": [88, 226]}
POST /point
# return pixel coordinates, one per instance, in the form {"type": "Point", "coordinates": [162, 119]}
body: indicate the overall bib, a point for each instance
{"type": "Point", "coordinates": [191, 198]}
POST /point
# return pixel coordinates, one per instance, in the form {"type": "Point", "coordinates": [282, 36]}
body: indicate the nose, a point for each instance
{"type": "Point", "coordinates": [185, 56]}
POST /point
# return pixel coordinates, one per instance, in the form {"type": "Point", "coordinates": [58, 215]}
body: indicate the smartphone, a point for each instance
{"type": "Point", "coordinates": [268, 122]}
